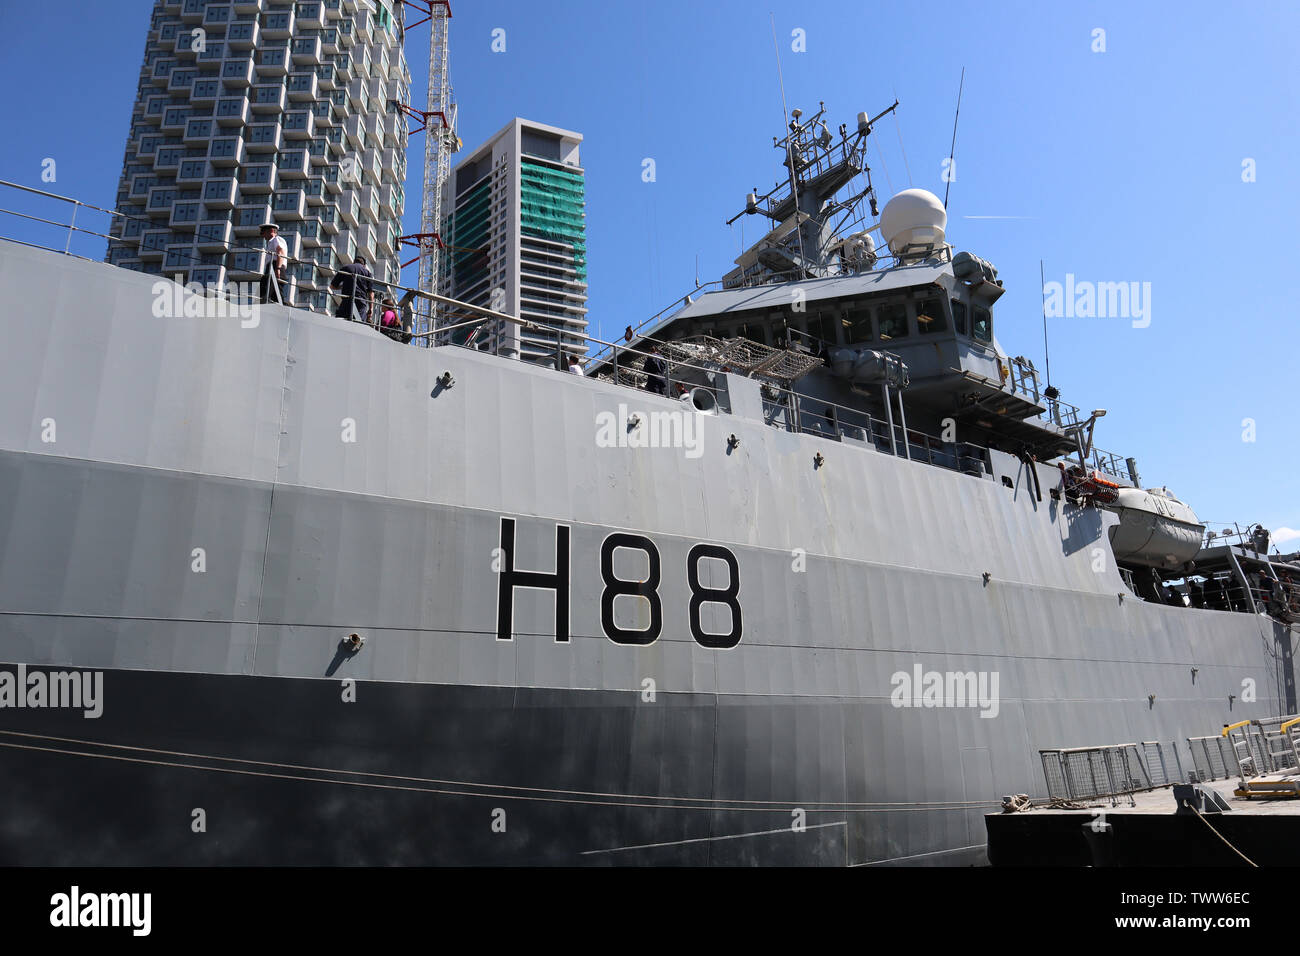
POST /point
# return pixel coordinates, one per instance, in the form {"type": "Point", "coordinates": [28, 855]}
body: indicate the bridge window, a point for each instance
{"type": "Point", "coordinates": [857, 324]}
{"type": "Point", "coordinates": [929, 316]}
{"type": "Point", "coordinates": [982, 326]}
{"type": "Point", "coordinates": [893, 321]}
{"type": "Point", "coordinates": [822, 327]}
{"type": "Point", "coordinates": [959, 316]}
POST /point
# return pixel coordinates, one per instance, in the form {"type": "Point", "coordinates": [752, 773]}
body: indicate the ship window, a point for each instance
{"type": "Point", "coordinates": [959, 316]}
{"type": "Point", "coordinates": [822, 327]}
{"type": "Point", "coordinates": [893, 321]}
{"type": "Point", "coordinates": [857, 324]}
{"type": "Point", "coordinates": [929, 316]}
{"type": "Point", "coordinates": [982, 326]}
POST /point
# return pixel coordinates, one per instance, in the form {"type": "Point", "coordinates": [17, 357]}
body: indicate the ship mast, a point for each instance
{"type": "Point", "coordinates": [818, 165]}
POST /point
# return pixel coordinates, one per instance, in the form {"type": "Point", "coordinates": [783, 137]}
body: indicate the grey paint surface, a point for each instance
{"type": "Point", "coordinates": [182, 433]}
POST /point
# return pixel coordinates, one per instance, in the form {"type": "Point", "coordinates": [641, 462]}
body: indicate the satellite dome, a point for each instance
{"type": "Point", "coordinates": [915, 217]}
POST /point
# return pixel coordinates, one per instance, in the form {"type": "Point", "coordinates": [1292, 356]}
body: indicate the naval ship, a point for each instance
{"type": "Point", "coordinates": [804, 571]}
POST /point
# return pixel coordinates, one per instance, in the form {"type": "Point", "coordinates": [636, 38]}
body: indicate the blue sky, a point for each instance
{"type": "Point", "coordinates": [1122, 165]}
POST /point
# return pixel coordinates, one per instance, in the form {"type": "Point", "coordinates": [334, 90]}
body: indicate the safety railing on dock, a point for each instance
{"type": "Point", "coordinates": [1212, 758]}
{"type": "Point", "coordinates": [1095, 773]}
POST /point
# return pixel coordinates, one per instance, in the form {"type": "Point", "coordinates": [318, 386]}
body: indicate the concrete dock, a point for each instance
{"type": "Point", "coordinates": [1258, 829]}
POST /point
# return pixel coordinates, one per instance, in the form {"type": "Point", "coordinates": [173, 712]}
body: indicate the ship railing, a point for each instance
{"type": "Point", "coordinates": [240, 292]}
{"type": "Point", "coordinates": [1095, 773]}
{"type": "Point", "coordinates": [789, 410]}
{"type": "Point", "coordinates": [1110, 463]}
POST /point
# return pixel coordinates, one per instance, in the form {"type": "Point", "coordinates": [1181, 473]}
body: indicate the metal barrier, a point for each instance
{"type": "Point", "coordinates": [1264, 746]}
{"type": "Point", "coordinates": [1212, 758]}
{"type": "Point", "coordinates": [1164, 765]}
{"type": "Point", "coordinates": [1093, 773]}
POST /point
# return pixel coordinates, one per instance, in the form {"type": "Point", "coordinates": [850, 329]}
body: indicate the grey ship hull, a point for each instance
{"type": "Point", "coordinates": [182, 433]}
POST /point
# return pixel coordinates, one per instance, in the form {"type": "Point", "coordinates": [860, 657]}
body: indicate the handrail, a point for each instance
{"type": "Point", "coordinates": [228, 245]}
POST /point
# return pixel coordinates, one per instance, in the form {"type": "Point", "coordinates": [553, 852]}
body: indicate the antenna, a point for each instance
{"type": "Point", "coordinates": [952, 150]}
{"type": "Point", "coordinates": [1042, 279]}
{"type": "Point", "coordinates": [789, 150]}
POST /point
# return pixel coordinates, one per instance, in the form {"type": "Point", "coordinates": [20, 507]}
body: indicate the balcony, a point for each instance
{"type": "Point", "coordinates": [198, 131]}
{"type": "Point", "coordinates": [279, 26]}
{"type": "Point", "coordinates": [162, 73]}
{"type": "Point", "coordinates": [248, 262]}
{"type": "Point", "coordinates": [349, 210]}
{"type": "Point", "coordinates": [227, 151]}
{"type": "Point", "coordinates": [293, 164]}
{"type": "Point", "coordinates": [180, 81]}
{"type": "Point", "coordinates": [192, 11]}
{"type": "Point", "coordinates": [175, 119]}
{"type": "Point", "coordinates": [329, 225]}
{"type": "Point", "coordinates": [179, 257]}
{"type": "Point", "coordinates": [267, 98]}
{"type": "Point", "coordinates": [237, 73]}
{"type": "Point", "coordinates": [221, 193]}
{"type": "Point", "coordinates": [216, 15]}
{"type": "Point", "coordinates": [325, 77]}
{"type": "Point", "coordinates": [389, 200]}
{"type": "Point", "coordinates": [306, 52]}
{"type": "Point", "coordinates": [302, 87]}
{"type": "Point", "coordinates": [248, 218]}
{"type": "Point", "coordinates": [324, 114]}
{"type": "Point", "coordinates": [192, 172]}
{"type": "Point", "coordinates": [243, 36]}
{"type": "Point", "coordinates": [209, 276]}
{"type": "Point", "coordinates": [154, 107]}
{"type": "Point", "coordinates": [184, 217]}
{"type": "Point", "coordinates": [215, 235]}
{"type": "Point", "coordinates": [257, 178]}
{"type": "Point", "coordinates": [160, 201]}
{"type": "Point", "coordinates": [370, 203]}
{"type": "Point", "coordinates": [264, 137]}
{"type": "Point", "coordinates": [311, 16]}
{"type": "Point", "coordinates": [314, 190]}
{"type": "Point", "coordinates": [289, 205]}
{"type": "Point", "coordinates": [365, 237]}
{"type": "Point", "coordinates": [354, 129]}
{"type": "Point", "coordinates": [205, 91]}
{"type": "Point", "coordinates": [153, 243]}
{"type": "Point", "coordinates": [232, 111]}
{"type": "Point", "coordinates": [299, 125]}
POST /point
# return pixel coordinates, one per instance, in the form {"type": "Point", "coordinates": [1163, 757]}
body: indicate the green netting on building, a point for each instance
{"type": "Point", "coordinates": [468, 234]}
{"type": "Point", "coordinates": [551, 207]}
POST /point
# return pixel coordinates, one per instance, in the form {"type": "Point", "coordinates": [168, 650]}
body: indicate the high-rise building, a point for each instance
{"type": "Point", "coordinates": [515, 231]}
{"type": "Point", "coordinates": [252, 111]}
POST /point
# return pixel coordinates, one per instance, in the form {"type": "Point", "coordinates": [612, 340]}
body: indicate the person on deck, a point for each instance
{"type": "Point", "coordinates": [656, 372]}
{"type": "Point", "coordinates": [356, 283]}
{"type": "Point", "coordinates": [277, 253]}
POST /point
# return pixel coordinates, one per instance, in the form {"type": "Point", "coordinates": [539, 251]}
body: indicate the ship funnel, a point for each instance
{"type": "Point", "coordinates": [913, 223]}
{"type": "Point", "coordinates": [702, 401]}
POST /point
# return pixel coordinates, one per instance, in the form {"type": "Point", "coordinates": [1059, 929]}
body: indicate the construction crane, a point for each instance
{"type": "Point", "coordinates": [438, 123]}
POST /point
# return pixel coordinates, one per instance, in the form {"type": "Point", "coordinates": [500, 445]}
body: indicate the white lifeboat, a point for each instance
{"type": "Point", "coordinates": [1155, 529]}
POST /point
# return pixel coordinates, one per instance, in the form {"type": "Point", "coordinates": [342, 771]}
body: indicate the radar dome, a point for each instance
{"type": "Point", "coordinates": [915, 217]}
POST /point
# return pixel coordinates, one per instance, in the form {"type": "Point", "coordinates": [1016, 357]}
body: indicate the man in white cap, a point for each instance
{"type": "Point", "coordinates": [277, 252]}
